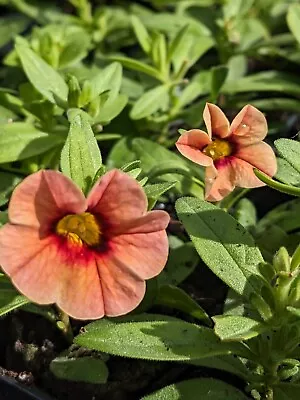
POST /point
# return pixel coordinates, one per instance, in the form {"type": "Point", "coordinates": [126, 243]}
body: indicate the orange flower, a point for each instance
{"type": "Point", "coordinates": [89, 256]}
{"type": "Point", "coordinates": [230, 152]}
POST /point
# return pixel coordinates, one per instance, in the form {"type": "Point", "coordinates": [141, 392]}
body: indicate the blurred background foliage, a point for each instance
{"type": "Point", "coordinates": [141, 70]}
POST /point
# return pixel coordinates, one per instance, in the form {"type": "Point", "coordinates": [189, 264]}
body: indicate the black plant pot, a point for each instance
{"type": "Point", "coordinates": [12, 390]}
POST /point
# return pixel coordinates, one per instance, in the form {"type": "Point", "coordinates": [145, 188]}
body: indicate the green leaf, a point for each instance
{"type": "Point", "coordinates": [155, 191]}
{"type": "Point", "coordinates": [150, 102]}
{"type": "Point", "coordinates": [290, 151]}
{"type": "Point", "coordinates": [191, 49]}
{"type": "Point", "coordinates": [266, 81]}
{"type": "Point", "coordinates": [10, 26]}
{"type": "Point", "coordinates": [10, 299]}
{"type": "Point", "coordinates": [151, 155]}
{"type": "Point", "coordinates": [177, 43]}
{"type": "Point", "coordinates": [245, 213]}
{"type": "Point", "coordinates": [152, 340]}
{"type": "Point", "coordinates": [203, 388]}
{"type": "Point", "coordinates": [76, 46]}
{"type": "Point", "coordinates": [110, 78]}
{"type": "Point", "coordinates": [80, 156]}
{"type": "Point", "coordinates": [159, 53]}
{"type": "Point", "coordinates": [42, 76]}
{"type": "Point", "coordinates": [276, 103]}
{"type": "Point", "coordinates": [286, 173]}
{"type": "Point", "coordinates": [84, 369]}
{"type": "Point", "coordinates": [218, 78]}
{"type": "Point", "coordinates": [237, 328]}
{"type": "Point", "coordinates": [136, 65]}
{"type": "Point", "coordinates": [8, 182]}
{"type": "Point", "coordinates": [174, 297]}
{"type": "Point", "coordinates": [141, 33]}
{"type": "Point", "coordinates": [22, 140]}
{"type": "Point", "coordinates": [222, 243]}
{"type": "Point", "coordinates": [293, 20]}
{"type": "Point", "coordinates": [281, 187]}
{"type": "Point", "coordinates": [111, 108]}
{"type": "Point", "coordinates": [182, 261]}
{"type": "Point", "coordinates": [228, 363]}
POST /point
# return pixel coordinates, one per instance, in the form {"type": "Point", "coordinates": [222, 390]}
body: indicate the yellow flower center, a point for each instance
{"type": "Point", "coordinates": [218, 148]}
{"type": "Point", "coordinates": [80, 228]}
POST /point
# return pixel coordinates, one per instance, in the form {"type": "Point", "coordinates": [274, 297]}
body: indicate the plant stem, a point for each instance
{"type": "Point", "coordinates": [64, 325]}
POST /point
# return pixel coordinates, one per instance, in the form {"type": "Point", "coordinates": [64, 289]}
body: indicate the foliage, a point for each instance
{"type": "Point", "coordinates": [109, 86]}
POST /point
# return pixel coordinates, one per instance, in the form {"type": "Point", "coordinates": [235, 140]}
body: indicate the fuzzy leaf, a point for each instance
{"type": "Point", "coordinates": [83, 369]}
{"type": "Point", "coordinates": [174, 297]}
{"type": "Point", "coordinates": [80, 156]}
{"type": "Point", "coordinates": [202, 388]}
{"type": "Point", "coordinates": [237, 328]}
{"type": "Point", "coordinates": [222, 243]}
{"type": "Point", "coordinates": [152, 340]}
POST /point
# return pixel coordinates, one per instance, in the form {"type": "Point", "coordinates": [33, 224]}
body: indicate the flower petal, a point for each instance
{"type": "Point", "coordinates": [144, 254]}
{"type": "Point", "coordinates": [216, 121]}
{"type": "Point", "coordinates": [260, 155]}
{"type": "Point", "coordinates": [249, 126]}
{"type": "Point", "coordinates": [244, 175]}
{"type": "Point", "coordinates": [190, 145]}
{"type": "Point", "coordinates": [44, 271]}
{"type": "Point", "coordinates": [131, 259]}
{"type": "Point", "coordinates": [219, 182]}
{"type": "Point", "coordinates": [122, 290]}
{"type": "Point", "coordinates": [117, 198]}
{"type": "Point", "coordinates": [44, 197]}
{"type": "Point", "coordinates": [30, 261]}
{"type": "Point", "coordinates": [81, 291]}
{"type": "Point", "coordinates": [153, 221]}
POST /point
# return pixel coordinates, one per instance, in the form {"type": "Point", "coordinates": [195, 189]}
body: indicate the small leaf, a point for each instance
{"type": "Point", "coordinates": [174, 297]}
{"type": "Point", "coordinates": [222, 243]}
{"type": "Point", "coordinates": [110, 78]}
{"type": "Point", "coordinates": [80, 156]}
{"type": "Point", "coordinates": [136, 65]}
{"type": "Point", "coordinates": [152, 340]}
{"type": "Point", "coordinates": [290, 151]}
{"type": "Point", "coordinates": [141, 33]}
{"type": "Point", "coordinates": [150, 102]}
{"type": "Point", "coordinates": [202, 388]}
{"type": "Point", "coordinates": [245, 213]}
{"type": "Point", "coordinates": [155, 191]}
{"type": "Point", "coordinates": [42, 76]}
{"type": "Point", "coordinates": [218, 78]}
{"type": "Point", "coordinates": [112, 108]}
{"type": "Point", "coordinates": [83, 369]}
{"type": "Point", "coordinates": [237, 328]}
{"type": "Point", "coordinates": [178, 41]}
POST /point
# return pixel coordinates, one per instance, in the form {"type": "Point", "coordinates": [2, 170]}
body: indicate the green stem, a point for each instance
{"type": "Point", "coordinates": [281, 187]}
{"type": "Point", "coordinates": [64, 325]}
{"type": "Point", "coordinates": [227, 205]}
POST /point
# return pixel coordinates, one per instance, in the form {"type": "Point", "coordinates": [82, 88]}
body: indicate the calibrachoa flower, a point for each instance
{"type": "Point", "coordinates": [230, 152]}
{"type": "Point", "coordinates": [91, 255]}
